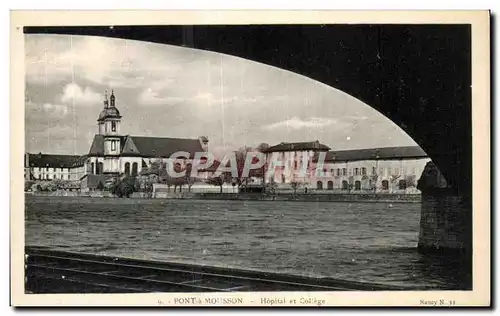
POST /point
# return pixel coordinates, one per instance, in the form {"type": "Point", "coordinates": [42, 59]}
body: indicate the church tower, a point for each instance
{"type": "Point", "coordinates": [109, 127]}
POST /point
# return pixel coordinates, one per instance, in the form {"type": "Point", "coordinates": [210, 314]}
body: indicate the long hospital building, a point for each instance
{"type": "Point", "coordinates": [383, 170]}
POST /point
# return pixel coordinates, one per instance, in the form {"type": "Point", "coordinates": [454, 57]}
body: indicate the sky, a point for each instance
{"type": "Point", "coordinates": [169, 91]}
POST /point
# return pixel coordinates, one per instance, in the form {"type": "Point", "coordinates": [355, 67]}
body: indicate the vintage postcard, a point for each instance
{"type": "Point", "coordinates": [259, 158]}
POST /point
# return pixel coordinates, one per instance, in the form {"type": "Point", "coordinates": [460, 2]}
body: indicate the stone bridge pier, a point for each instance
{"type": "Point", "coordinates": [446, 217]}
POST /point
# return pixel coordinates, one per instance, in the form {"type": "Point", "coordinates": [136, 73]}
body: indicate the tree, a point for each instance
{"type": "Point", "coordinates": [410, 181]}
{"type": "Point", "coordinates": [271, 186]}
{"type": "Point", "coordinates": [28, 185]}
{"type": "Point", "coordinates": [216, 181]}
{"type": "Point", "coordinates": [295, 185]}
{"type": "Point", "coordinates": [124, 187]}
{"type": "Point", "coordinates": [241, 156]}
{"type": "Point", "coordinates": [374, 179]}
{"type": "Point", "coordinates": [189, 180]}
{"type": "Point", "coordinates": [261, 172]}
{"type": "Point", "coordinates": [393, 179]}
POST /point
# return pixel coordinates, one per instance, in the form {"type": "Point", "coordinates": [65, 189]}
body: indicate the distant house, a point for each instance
{"type": "Point", "coordinates": [297, 155]}
{"type": "Point", "coordinates": [49, 167]}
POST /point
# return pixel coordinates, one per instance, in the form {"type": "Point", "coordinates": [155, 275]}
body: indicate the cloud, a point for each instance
{"type": "Point", "coordinates": [50, 110]}
{"type": "Point", "coordinates": [297, 123]}
{"type": "Point", "coordinates": [112, 62]}
{"type": "Point", "coordinates": [155, 98]}
{"type": "Point", "coordinates": [202, 99]}
{"type": "Point", "coordinates": [73, 93]}
{"type": "Point", "coordinates": [55, 109]}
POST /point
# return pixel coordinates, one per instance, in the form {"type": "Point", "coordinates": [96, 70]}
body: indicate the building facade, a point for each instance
{"type": "Point", "coordinates": [291, 162]}
{"type": "Point", "coordinates": [112, 153]}
{"type": "Point", "coordinates": [375, 170]}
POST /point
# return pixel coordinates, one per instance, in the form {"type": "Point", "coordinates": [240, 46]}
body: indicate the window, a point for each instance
{"type": "Point", "coordinates": [356, 171]}
{"type": "Point", "coordinates": [46, 177]}
{"type": "Point", "coordinates": [62, 169]}
{"type": "Point", "coordinates": [363, 171]}
{"type": "Point", "coordinates": [385, 185]}
{"type": "Point", "coordinates": [345, 185]}
{"type": "Point", "coordinates": [39, 169]}
{"type": "Point", "coordinates": [402, 184]}
{"type": "Point", "coordinates": [330, 185]}
{"type": "Point", "coordinates": [319, 185]}
{"type": "Point", "coordinates": [113, 145]}
{"type": "Point", "coordinates": [374, 170]}
{"type": "Point", "coordinates": [68, 176]}
{"type": "Point", "coordinates": [47, 169]}
{"type": "Point", "coordinates": [344, 171]}
{"type": "Point", "coordinates": [113, 126]}
{"type": "Point", "coordinates": [127, 168]}
{"type": "Point", "coordinates": [134, 168]}
{"type": "Point", "coordinates": [338, 171]}
{"type": "Point", "coordinates": [357, 185]}
{"type": "Point", "coordinates": [389, 171]}
{"type": "Point", "coordinates": [92, 168]}
{"type": "Point", "coordinates": [61, 177]}
{"type": "Point", "coordinates": [295, 164]}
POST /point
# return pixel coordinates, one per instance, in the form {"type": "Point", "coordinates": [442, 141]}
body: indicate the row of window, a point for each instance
{"type": "Point", "coordinates": [357, 185]}
{"type": "Point", "coordinates": [100, 168]}
{"type": "Point", "coordinates": [52, 177]}
{"type": "Point", "coordinates": [363, 172]}
{"type": "Point", "coordinates": [51, 169]}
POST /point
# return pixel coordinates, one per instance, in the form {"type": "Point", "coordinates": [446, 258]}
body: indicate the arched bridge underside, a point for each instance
{"type": "Point", "coordinates": [419, 76]}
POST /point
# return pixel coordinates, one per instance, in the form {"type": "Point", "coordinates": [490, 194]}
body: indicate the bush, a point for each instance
{"type": "Point", "coordinates": [124, 187]}
{"type": "Point", "coordinates": [100, 186]}
{"type": "Point", "coordinates": [28, 185]}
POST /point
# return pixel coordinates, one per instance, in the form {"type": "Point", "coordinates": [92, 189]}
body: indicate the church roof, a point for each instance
{"type": "Point", "coordinates": [142, 146]}
{"type": "Point", "coordinates": [110, 112]}
{"type": "Point", "coordinates": [52, 161]}
{"type": "Point", "coordinates": [316, 146]}
{"type": "Point", "coordinates": [383, 153]}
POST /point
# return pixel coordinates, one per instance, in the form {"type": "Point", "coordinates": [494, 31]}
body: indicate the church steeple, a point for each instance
{"type": "Point", "coordinates": [109, 118]}
{"type": "Point", "coordinates": [112, 99]}
{"type": "Point", "coordinates": [106, 99]}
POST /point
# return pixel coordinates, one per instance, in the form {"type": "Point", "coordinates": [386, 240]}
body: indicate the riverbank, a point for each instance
{"type": "Point", "coordinates": [382, 198]}
{"type": "Point", "coordinates": [327, 197]}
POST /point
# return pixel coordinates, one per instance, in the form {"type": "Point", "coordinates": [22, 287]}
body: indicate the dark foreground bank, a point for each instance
{"type": "Point", "coordinates": [51, 271]}
{"type": "Point", "coordinates": [316, 197]}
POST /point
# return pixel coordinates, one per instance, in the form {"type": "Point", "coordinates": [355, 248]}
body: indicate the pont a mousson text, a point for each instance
{"type": "Point", "coordinates": [268, 301]}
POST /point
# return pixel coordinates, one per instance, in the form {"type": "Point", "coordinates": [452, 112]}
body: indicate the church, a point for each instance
{"type": "Point", "coordinates": [111, 152]}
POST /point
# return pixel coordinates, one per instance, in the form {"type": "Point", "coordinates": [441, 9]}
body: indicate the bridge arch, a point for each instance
{"type": "Point", "coordinates": [399, 70]}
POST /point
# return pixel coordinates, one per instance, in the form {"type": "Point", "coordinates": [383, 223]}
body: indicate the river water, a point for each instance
{"type": "Point", "coordinates": [370, 242]}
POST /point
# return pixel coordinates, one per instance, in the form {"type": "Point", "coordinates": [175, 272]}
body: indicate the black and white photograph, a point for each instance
{"type": "Point", "coordinates": [231, 159]}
